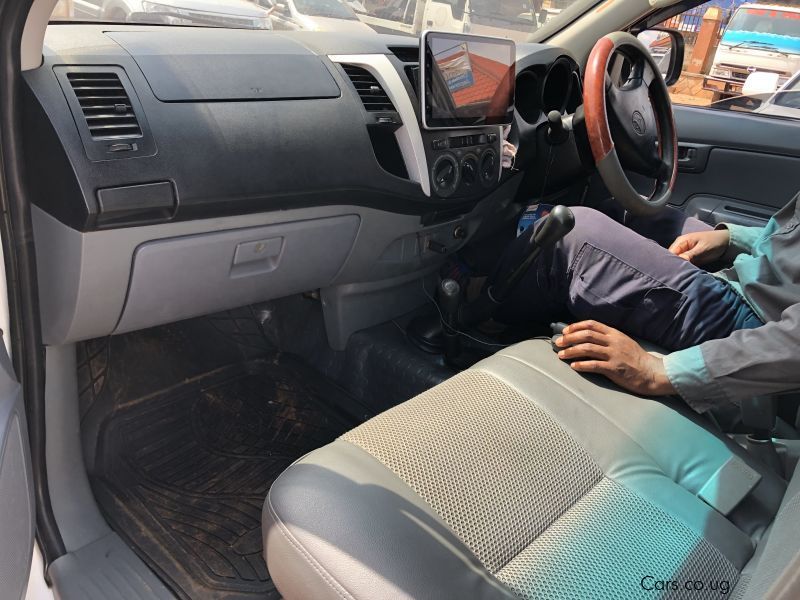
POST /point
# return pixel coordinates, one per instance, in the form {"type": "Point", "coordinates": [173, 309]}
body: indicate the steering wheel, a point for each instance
{"type": "Point", "coordinates": [629, 121]}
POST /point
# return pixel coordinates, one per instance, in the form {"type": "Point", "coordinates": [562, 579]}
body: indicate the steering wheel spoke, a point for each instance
{"type": "Point", "coordinates": [649, 75]}
{"type": "Point", "coordinates": [609, 84]}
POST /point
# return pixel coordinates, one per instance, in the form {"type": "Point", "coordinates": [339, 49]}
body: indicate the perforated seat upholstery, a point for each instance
{"type": "Point", "coordinates": [516, 478]}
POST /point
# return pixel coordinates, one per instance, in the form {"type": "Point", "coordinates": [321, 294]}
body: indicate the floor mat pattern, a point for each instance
{"type": "Point", "coordinates": [182, 473]}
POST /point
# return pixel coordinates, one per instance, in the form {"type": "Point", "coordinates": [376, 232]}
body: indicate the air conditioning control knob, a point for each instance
{"type": "Point", "coordinates": [469, 170]}
{"type": "Point", "coordinates": [445, 175]}
{"type": "Point", "coordinates": [489, 168]}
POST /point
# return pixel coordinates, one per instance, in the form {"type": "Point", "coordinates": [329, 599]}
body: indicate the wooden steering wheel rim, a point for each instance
{"type": "Point", "coordinates": [599, 132]}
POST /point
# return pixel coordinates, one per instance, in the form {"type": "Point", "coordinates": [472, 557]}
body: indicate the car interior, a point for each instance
{"type": "Point", "coordinates": [255, 348]}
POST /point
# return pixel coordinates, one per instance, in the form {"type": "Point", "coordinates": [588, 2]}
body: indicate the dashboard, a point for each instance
{"type": "Point", "coordinates": [191, 170]}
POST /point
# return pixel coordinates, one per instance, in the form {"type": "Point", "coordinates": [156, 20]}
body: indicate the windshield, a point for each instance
{"type": "Point", "coordinates": [514, 19]}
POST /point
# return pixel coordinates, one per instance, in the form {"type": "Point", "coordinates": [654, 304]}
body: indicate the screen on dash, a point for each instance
{"type": "Point", "coordinates": [468, 81]}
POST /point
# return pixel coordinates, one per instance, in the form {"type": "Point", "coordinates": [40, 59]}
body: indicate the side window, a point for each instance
{"type": "Point", "coordinates": [741, 56]}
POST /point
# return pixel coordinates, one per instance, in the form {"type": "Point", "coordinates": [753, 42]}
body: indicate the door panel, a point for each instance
{"type": "Point", "coordinates": [17, 515]}
{"type": "Point", "coordinates": [762, 179]}
{"type": "Point", "coordinates": [735, 167]}
{"type": "Point", "coordinates": [713, 210]}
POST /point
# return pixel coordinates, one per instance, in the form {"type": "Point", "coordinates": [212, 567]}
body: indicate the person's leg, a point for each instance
{"type": "Point", "coordinates": [604, 271]}
{"type": "Point", "coordinates": [664, 227]}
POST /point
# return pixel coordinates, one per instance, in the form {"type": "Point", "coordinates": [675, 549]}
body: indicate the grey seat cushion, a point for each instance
{"type": "Point", "coordinates": [516, 478]}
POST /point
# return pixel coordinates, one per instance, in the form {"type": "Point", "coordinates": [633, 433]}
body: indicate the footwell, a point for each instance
{"type": "Point", "coordinates": [181, 473]}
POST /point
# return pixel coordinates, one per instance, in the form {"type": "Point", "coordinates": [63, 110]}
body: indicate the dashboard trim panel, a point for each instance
{"type": "Point", "coordinates": [409, 136]}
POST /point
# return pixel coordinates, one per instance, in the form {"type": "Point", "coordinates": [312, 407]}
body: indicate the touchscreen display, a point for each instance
{"type": "Point", "coordinates": [467, 80]}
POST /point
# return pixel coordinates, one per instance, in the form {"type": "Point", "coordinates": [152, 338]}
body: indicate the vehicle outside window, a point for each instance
{"type": "Point", "coordinates": [217, 13]}
{"type": "Point", "coordinates": [314, 15]}
{"type": "Point", "coordinates": [742, 56]}
{"type": "Point", "coordinates": [514, 19]}
{"type": "Point", "coordinates": [763, 38]}
{"type": "Point", "coordinates": [785, 102]}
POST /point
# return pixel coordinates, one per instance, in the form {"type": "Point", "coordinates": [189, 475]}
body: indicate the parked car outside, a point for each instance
{"type": "Point", "coordinates": [314, 15]}
{"type": "Point", "coordinates": [514, 20]}
{"type": "Point", "coordinates": [785, 102]}
{"type": "Point", "coordinates": [240, 14]}
{"type": "Point", "coordinates": [397, 16]}
{"type": "Point", "coordinates": [759, 37]}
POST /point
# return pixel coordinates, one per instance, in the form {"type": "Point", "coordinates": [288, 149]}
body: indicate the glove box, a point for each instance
{"type": "Point", "coordinates": [181, 277]}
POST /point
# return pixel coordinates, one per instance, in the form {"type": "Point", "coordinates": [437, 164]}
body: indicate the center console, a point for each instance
{"type": "Point", "coordinates": [466, 93]}
{"type": "Point", "coordinates": [463, 165]}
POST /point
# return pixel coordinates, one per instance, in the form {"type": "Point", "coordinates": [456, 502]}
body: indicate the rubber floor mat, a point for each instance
{"type": "Point", "coordinates": [183, 473]}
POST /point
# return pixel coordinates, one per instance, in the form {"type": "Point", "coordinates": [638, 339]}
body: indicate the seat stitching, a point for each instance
{"type": "Point", "coordinates": [314, 565]}
{"type": "Point", "coordinates": [327, 577]}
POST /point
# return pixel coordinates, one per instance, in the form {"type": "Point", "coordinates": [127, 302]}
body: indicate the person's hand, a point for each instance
{"type": "Point", "coordinates": [603, 350]}
{"type": "Point", "coordinates": [509, 150]}
{"type": "Point", "coordinates": [509, 154]}
{"type": "Point", "coordinates": [702, 247]}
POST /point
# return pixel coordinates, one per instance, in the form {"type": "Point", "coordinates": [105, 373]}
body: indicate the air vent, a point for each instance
{"type": "Point", "coordinates": [105, 105]}
{"type": "Point", "coordinates": [368, 88]}
{"type": "Point", "coordinates": [406, 54]}
{"type": "Point", "coordinates": [412, 72]}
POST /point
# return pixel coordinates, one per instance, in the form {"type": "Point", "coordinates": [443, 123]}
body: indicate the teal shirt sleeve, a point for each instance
{"type": "Point", "coordinates": [743, 239]}
{"type": "Point", "coordinates": [689, 375]}
{"type": "Point", "coordinates": [750, 362]}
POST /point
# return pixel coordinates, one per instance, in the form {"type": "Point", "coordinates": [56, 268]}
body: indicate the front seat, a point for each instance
{"type": "Point", "coordinates": [521, 478]}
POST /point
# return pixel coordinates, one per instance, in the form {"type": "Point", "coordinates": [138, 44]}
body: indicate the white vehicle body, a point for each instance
{"type": "Point", "coordinates": [444, 16]}
{"type": "Point", "coordinates": [223, 13]}
{"type": "Point", "coordinates": [759, 37]}
{"type": "Point", "coordinates": [399, 18]}
{"type": "Point", "coordinates": [327, 15]}
{"type": "Point", "coordinates": [785, 102]}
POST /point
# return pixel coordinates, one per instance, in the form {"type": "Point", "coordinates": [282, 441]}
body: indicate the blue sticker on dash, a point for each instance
{"type": "Point", "coordinates": [532, 214]}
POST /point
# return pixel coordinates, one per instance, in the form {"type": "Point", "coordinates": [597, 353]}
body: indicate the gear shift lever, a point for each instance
{"type": "Point", "coordinates": [431, 335]}
{"type": "Point", "coordinates": [449, 301]}
{"type": "Point", "coordinates": [556, 225]}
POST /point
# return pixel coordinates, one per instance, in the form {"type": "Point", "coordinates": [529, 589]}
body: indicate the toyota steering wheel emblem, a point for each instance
{"type": "Point", "coordinates": [639, 125]}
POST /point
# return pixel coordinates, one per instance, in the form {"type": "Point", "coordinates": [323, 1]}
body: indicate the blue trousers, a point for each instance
{"type": "Point", "coordinates": [621, 274]}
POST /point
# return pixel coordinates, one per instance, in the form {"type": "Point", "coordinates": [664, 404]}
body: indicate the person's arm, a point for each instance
{"type": "Point", "coordinates": [597, 348]}
{"type": "Point", "coordinates": [742, 238]}
{"type": "Point", "coordinates": [750, 362]}
{"type": "Point", "coordinates": [723, 243]}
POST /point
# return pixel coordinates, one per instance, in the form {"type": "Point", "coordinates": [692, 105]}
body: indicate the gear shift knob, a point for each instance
{"type": "Point", "coordinates": [449, 297]}
{"type": "Point", "coordinates": [557, 224]}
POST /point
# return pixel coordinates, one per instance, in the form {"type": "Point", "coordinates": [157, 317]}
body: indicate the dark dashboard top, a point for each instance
{"type": "Point", "coordinates": [218, 122]}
